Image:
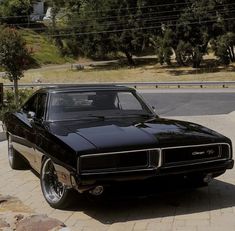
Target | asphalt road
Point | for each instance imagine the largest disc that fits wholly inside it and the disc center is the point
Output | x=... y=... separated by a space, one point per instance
x=191 y=103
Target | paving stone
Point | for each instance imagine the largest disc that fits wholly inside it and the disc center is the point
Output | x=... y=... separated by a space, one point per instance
x=38 y=222
x=60 y=215
x=159 y=225
x=121 y=226
x=3 y=223
x=140 y=225
x=185 y=228
x=198 y=222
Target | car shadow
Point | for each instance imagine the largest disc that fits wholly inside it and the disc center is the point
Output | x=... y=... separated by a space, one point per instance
x=163 y=200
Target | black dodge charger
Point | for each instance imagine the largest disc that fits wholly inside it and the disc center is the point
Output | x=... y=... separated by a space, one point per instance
x=86 y=138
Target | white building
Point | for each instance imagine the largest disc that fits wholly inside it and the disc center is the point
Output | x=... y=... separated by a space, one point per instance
x=38 y=11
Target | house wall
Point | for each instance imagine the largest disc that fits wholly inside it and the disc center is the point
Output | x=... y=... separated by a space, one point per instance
x=38 y=11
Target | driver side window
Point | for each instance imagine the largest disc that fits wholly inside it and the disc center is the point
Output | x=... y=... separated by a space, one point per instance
x=31 y=105
x=36 y=104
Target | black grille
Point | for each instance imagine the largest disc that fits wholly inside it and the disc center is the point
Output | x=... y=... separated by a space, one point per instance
x=193 y=154
x=225 y=151
x=112 y=162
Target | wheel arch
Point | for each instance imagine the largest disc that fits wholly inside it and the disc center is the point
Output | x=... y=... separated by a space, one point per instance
x=64 y=173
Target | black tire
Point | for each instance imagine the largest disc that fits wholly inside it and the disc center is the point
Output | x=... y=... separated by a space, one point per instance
x=57 y=195
x=16 y=161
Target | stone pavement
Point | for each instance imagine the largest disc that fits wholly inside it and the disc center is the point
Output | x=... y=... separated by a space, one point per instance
x=206 y=209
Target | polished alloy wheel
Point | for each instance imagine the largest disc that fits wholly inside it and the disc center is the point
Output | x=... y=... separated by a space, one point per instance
x=53 y=190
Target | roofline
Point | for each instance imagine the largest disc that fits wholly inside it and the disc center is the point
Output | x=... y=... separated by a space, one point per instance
x=84 y=87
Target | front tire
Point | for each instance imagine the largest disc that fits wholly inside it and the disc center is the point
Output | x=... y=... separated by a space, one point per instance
x=16 y=161
x=56 y=193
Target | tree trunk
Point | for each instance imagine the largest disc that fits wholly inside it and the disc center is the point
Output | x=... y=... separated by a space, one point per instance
x=16 y=91
x=230 y=54
x=129 y=58
x=53 y=19
x=197 y=59
x=233 y=55
x=179 y=59
x=196 y=63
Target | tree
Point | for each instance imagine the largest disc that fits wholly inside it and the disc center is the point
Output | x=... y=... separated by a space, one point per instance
x=223 y=42
x=14 y=56
x=192 y=24
x=223 y=47
x=194 y=29
x=66 y=7
x=16 y=11
x=184 y=28
x=163 y=46
x=111 y=26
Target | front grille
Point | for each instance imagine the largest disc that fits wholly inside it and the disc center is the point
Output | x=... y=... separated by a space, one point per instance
x=133 y=160
x=172 y=156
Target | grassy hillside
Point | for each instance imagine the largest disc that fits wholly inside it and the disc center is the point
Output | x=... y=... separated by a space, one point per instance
x=44 y=51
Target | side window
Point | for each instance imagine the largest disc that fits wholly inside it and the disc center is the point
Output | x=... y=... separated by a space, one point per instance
x=31 y=104
x=41 y=105
x=36 y=104
x=127 y=101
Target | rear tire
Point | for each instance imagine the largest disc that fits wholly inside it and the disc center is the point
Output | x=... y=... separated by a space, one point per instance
x=57 y=195
x=16 y=161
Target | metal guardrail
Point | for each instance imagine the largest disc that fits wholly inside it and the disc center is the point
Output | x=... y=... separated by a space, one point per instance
x=223 y=84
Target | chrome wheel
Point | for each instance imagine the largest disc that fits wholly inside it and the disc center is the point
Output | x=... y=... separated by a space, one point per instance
x=53 y=190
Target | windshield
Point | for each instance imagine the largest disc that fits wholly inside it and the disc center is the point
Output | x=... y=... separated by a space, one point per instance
x=81 y=105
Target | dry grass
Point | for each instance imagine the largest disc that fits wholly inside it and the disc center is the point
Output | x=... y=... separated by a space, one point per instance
x=116 y=73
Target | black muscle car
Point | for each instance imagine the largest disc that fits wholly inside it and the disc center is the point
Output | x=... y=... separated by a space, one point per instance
x=85 y=138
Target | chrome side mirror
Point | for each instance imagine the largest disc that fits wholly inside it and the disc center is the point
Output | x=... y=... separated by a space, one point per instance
x=31 y=115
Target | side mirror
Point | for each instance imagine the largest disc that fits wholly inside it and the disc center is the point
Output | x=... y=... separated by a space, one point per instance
x=154 y=109
x=31 y=115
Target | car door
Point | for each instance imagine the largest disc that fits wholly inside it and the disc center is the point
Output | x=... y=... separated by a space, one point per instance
x=39 y=131
x=24 y=137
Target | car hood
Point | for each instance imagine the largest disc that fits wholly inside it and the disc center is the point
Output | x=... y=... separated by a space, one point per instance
x=104 y=136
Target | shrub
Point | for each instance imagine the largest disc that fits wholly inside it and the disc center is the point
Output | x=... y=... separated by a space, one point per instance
x=9 y=103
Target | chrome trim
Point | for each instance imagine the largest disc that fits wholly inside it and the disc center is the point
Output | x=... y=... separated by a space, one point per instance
x=147 y=166
x=202 y=162
x=148 y=159
x=160 y=158
x=160 y=161
x=78 y=165
x=197 y=145
x=220 y=151
x=110 y=153
x=114 y=172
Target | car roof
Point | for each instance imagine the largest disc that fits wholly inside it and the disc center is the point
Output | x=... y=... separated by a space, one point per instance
x=84 y=87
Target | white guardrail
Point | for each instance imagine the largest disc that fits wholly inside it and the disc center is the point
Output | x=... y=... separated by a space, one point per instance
x=180 y=84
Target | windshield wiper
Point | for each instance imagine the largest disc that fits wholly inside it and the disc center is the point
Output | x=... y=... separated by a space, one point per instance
x=145 y=116
x=97 y=117
x=87 y=117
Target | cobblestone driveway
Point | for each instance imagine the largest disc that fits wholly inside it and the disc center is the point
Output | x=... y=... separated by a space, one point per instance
x=211 y=208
